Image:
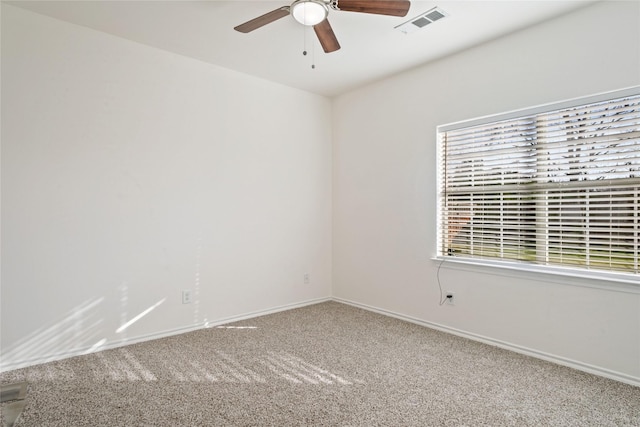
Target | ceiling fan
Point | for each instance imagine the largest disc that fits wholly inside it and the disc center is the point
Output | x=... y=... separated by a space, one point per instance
x=314 y=13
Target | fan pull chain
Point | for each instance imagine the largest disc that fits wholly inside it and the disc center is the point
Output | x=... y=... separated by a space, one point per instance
x=304 y=40
x=313 y=56
x=304 y=48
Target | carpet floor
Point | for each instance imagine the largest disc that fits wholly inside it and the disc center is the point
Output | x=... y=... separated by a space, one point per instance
x=328 y=364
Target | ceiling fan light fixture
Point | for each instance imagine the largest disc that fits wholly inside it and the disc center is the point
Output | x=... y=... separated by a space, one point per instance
x=309 y=12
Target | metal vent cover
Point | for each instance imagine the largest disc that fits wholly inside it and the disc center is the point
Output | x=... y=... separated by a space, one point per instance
x=435 y=15
x=422 y=20
x=14 y=391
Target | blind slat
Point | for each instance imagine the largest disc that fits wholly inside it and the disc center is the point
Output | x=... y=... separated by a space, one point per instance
x=554 y=187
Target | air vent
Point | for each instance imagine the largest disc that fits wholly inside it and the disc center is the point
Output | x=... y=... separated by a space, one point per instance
x=422 y=20
x=435 y=15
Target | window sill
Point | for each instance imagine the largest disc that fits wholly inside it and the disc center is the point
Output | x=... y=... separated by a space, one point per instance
x=619 y=282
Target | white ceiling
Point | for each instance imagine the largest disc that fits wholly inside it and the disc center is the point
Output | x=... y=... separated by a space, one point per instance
x=371 y=47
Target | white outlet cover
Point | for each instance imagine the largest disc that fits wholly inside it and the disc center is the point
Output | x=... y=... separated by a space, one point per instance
x=186 y=297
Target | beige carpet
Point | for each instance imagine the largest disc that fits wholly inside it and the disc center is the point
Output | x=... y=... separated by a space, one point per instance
x=328 y=364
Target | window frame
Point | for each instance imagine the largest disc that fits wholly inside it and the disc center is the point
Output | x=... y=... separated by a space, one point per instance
x=624 y=278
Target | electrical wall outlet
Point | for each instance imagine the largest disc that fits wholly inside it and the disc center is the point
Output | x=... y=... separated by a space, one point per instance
x=449 y=298
x=306 y=278
x=186 y=297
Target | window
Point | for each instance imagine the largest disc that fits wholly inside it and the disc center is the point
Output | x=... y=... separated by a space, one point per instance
x=557 y=185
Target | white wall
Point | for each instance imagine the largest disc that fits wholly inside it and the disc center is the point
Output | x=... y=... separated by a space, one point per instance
x=384 y=186
x=130 y=173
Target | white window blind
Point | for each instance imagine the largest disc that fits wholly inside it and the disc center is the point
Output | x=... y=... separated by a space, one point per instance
x=550 y=186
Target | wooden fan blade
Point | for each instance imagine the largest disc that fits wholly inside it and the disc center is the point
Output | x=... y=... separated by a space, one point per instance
x=326 y=36
x=263 y=20
x=379 y=7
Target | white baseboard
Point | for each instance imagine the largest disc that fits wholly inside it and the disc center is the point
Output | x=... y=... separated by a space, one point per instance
x=154 y=336
x=585 y=367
